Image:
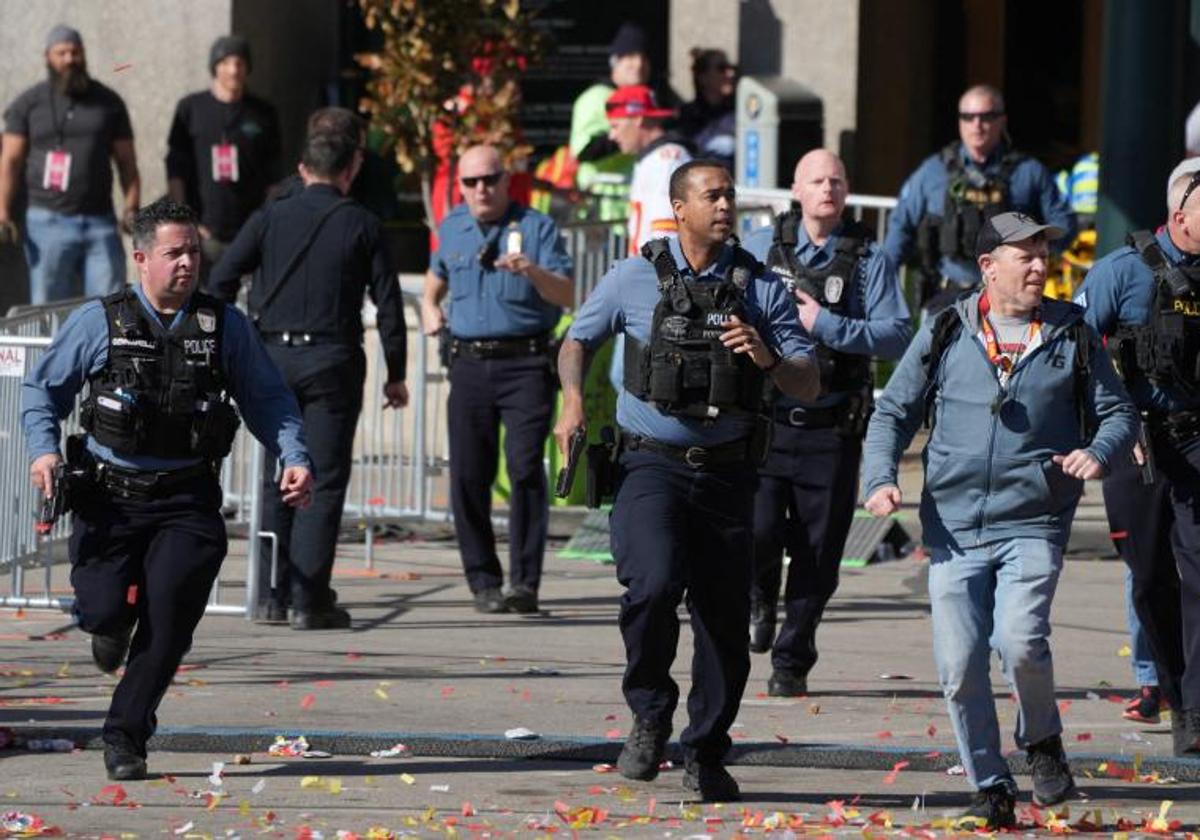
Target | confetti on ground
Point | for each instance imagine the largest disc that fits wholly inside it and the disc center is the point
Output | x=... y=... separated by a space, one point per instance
x=520 y=733
x=614 y=733
x=307 y=701
x=1124 y=650
x=288 y=747
x=391 y=752
x=890 y=778
x=407 y=779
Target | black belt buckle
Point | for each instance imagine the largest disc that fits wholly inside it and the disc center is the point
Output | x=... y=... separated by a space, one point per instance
x=695 y=457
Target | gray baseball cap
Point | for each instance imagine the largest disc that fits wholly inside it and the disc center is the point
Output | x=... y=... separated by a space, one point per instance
x=63 y=34
x=1006 y=228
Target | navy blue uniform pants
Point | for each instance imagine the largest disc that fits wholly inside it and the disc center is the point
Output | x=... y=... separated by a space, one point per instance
x=328 y=383
x=677 y=530
x=1157 y=531
x=807 y=492
x=483 y=394
x=170 y=549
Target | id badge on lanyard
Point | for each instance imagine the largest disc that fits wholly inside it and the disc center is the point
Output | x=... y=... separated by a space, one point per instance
x=225 y=163
x=56 y=174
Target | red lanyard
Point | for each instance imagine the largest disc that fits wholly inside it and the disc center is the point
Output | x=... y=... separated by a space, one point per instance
x=990 y=343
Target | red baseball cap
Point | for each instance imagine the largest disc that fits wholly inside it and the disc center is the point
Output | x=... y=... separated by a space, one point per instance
x=635 y=101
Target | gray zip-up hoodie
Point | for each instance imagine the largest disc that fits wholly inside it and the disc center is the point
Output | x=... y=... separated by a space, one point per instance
x=989 y=474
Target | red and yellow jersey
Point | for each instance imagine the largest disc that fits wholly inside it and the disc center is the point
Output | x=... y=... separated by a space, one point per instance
x=650 y=214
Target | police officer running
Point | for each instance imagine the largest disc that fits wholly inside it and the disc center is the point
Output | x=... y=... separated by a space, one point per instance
x=1146 y=298
x=849 y=301
x=508 y=277
x=945 y=202
x=315 y=252
x=161 y=362
x=706 y=325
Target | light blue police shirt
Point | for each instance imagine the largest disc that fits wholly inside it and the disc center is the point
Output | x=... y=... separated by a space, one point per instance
x=497 y=303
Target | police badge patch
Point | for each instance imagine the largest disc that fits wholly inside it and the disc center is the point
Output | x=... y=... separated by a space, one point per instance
x=834 y=286
x=207 y=320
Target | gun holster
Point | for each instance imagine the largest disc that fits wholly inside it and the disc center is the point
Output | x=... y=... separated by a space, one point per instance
x=601 y=482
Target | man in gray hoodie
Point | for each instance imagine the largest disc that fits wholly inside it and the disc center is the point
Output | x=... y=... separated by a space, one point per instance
x=1024 y=405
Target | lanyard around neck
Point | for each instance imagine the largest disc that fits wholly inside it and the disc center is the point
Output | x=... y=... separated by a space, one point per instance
x=991 y=343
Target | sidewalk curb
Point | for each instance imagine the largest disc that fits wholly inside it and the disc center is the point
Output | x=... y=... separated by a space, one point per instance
x=192 y=739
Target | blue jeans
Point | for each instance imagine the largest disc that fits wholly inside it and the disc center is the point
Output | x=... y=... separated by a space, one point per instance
x=70 y=256
x=995 y=596
x=1142 y=661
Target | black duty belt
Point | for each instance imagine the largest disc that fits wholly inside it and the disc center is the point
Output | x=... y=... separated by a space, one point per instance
x=696 y=457
x=500 y=348
x=148 y=484
x=1178 y=427
x=808 y=418
x=302 y=339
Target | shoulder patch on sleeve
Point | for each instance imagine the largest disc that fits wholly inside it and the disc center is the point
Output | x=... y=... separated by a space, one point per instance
x=1081 y=299
x=670 y=151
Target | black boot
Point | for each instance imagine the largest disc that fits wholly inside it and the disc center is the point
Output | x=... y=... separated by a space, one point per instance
x=1052 y=780
x=1185 y=732
x=712 y=781
x=109 y=651
x=123 y=761
x=993 y=808
x=644 y=750
x=762 y=626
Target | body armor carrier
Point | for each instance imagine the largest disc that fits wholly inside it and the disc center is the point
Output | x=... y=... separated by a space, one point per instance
x=685 y=369
x=1166 y=349
x=831 y=286
x=971 y=199
x=162 y=393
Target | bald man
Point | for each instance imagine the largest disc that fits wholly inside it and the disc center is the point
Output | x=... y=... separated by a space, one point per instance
x=945 y=202
x=508 y=278
x=848 y=298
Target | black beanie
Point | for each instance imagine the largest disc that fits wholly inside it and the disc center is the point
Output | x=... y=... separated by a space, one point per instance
x=226 y=46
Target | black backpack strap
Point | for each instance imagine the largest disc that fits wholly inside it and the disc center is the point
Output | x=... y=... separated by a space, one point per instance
x=785 y=229
x=1146 y=245
x=1082 y=379
x=951 y=159
x=946 y=326
x=299 y=253
x=670 y=282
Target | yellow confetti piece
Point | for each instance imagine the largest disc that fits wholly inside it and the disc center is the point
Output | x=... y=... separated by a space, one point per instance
x=407 y=779
x=311 y=782
x=1124 y=650
x=381 y=694
x=244 y=808
x=65 y=669
x=335 y=786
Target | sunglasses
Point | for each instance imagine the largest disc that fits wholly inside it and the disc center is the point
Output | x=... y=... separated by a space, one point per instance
x=1192 y=184
x=490 y=180
x=984 y=117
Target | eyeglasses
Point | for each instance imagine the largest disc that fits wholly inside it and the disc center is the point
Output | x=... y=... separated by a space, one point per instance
x=490 y=180
x=1192 y=184
x=984 y=117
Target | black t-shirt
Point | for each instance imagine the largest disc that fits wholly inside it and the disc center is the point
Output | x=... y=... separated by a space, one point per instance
x=84 y=127
x=201 y=122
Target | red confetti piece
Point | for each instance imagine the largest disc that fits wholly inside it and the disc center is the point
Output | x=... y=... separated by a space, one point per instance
x=120 y=67
x=380 y=500
x=1084 y=736
x=931 y=730
x=283 y=684
x=610 y=717
x=351 y=655
x=885 y=733
x=307 y=701
x=1063 y=705
x=116 y=793
x=322 y=683
x=447 y=690
x=467 y=810
x=1116 y=698
x=614 y=733
x=781 y=739
x=890 y=778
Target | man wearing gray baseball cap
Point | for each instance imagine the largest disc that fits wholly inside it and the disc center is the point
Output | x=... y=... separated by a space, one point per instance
x=1024 y=405
x=1146 y=298
x=64 y=133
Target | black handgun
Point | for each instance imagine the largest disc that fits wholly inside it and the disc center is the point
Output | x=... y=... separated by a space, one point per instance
x=445 y=347
x=1146 y=468
x=566 y=475
x=55 y=505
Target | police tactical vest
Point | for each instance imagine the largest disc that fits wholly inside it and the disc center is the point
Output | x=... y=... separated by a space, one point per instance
x=162 y=393
x=971 y=199
x=831 y=286
x=685 y=369
x=1166 y=349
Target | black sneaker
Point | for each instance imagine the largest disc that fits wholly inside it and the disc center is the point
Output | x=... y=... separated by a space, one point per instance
x=783 y=684
x=1052 y=780
x=1146 y=707
x=490 y=600
x=123 y=761
x=330 y=618
x=643 y=751
x=993 y=807
x=762 y=627
x=711 y=781
x=108 y=651
x=521 y=599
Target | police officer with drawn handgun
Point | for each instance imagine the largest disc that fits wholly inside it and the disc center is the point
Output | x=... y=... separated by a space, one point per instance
x=161 y=363
x=706 y=325
x=849 y=300
x=1145 y=297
